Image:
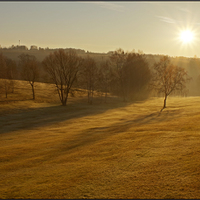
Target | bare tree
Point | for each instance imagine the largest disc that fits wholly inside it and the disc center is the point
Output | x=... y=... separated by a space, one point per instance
x=105 y=77
x=30 y=70
x=168 y=78
x=7 y=73
x=4 y=84
x=89 y=77
x=118 y=58
x=12 y=72
x=132 y=74
x=63 y=68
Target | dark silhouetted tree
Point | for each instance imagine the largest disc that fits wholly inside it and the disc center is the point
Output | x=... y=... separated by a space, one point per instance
x=4 y=84
x=89 y=77
x=63 y=68
x=168 y=78
x=132 y=75
x=137 y=75
x=8 y=72
x=30 y=70
x=104 y=76
x=12 y=73
x=118 y=58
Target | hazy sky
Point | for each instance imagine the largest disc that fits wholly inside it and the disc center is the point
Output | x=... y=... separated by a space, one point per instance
x=102 y=26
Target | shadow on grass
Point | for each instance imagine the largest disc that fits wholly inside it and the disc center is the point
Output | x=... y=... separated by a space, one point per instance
x=6 y=101
x=95 y=134
x=43 y=116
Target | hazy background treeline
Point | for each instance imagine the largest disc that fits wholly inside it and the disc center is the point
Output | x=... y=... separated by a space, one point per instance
x=136 y=79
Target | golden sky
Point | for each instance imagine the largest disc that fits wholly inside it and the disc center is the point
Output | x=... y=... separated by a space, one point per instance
x=102 y=26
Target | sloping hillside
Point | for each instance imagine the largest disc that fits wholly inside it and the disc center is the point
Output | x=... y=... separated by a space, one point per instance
x=113 y=150
x=192 y=65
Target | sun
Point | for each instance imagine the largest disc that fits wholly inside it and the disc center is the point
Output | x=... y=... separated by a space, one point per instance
x=186 y=36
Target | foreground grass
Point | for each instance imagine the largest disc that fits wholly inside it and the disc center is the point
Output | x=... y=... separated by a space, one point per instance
x=113 y=150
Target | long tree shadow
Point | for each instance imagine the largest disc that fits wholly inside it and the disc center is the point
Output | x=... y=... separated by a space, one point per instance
x=95 y=134
x=7 y=101
x=43 y=116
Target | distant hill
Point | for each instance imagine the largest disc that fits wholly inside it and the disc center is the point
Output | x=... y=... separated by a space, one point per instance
x=192 y=65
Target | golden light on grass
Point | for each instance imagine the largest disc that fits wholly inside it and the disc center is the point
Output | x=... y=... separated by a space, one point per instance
x=114 y=150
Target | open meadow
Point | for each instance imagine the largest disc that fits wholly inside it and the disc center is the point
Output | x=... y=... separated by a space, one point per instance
x=105 y=150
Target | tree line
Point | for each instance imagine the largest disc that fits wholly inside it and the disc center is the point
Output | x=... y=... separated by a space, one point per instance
x=124 y=74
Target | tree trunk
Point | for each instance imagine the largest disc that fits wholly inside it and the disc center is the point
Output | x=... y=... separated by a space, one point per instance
x=32 y=85
x=64 y=103
x=105 y=97
x=91 y=101
x=65 y=97
x=88 y=96
x=164 y=105
x=6 y=91
x=12 y=84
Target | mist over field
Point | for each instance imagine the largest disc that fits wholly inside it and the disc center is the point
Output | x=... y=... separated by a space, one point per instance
x=191 y=64
x=76 y=124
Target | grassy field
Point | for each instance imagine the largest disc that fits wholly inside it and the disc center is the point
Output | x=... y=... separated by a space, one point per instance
x=113 y=150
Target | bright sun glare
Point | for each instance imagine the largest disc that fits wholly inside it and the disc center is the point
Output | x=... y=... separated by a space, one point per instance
x=186 y=36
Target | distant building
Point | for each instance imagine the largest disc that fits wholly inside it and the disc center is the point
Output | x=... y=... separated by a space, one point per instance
x=33 y=47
